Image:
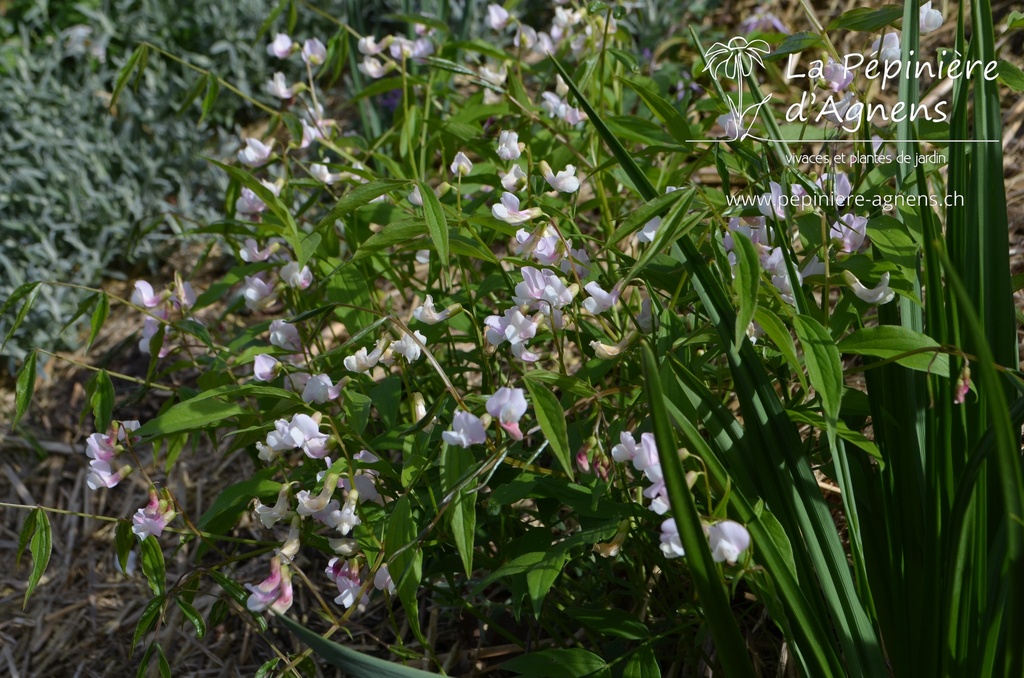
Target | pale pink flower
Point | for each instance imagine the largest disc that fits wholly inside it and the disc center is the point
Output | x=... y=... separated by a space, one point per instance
x=837 y=76
x=102 y=475
x=259 y=296
x=314 y=52
x=497 y=17
x=382 y=579
x=270 y=515
x=373 y=68
x=600 y=301
x=319 y=389
x=426 y=313
x=144 y=295
x=295 y=277
x=362 y=361
x=370 y=47
x=508 y=405
x=274 y=592
x=467 y=430
x=727 y=539
x=345 y=576
x=850 y=232
x=508 y=210
x=281 y=46
x=514 y=180
x=671 y=544
x=286 y=336
x=154 y=517
x=251 y=252
x=255 y=153
x=278 y=87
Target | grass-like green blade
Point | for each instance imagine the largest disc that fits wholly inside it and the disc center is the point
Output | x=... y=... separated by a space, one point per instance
x=732 y=651
x=355 y=664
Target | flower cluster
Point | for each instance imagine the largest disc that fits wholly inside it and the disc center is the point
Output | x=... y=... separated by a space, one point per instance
x=727 y=539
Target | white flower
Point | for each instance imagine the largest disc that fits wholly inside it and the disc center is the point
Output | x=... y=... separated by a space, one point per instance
x=372 y=67
x=671 y=545
x=887 y=48
x=513 y=180
x=513 y=327
x=508 y=145
x=415 y=197
x=508 y=405
x=144 y=295
x=314 y=52
x=850 y=231
x=543 y=245
x=565 y=181
x=322 y=174
x=309 y=503
x=426 y=313
x=461 y=165
x=362 y=361
x=526 y=37
x=467 y=429
x=727 y=539
x=249 y=203
x=345 y=519
x=255 y=152
x=319 y=389
x=878 y=295
x=409 y=347
x=370 y=47
x=269 y=515
x=281 y=47
x=543 y=290
x=293 y=276
x=600 y=301
x=837 y=76
x=649 y=230
x=278 y=87
x=259 y=296
x=930 y=19
x=732 y=123
x=265 y=367
x=251 y=252
x=286 y=336
x=497 y=17
x=508 y=210
x=382 y=580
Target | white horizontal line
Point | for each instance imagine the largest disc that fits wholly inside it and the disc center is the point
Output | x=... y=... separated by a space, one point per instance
x=855 y=141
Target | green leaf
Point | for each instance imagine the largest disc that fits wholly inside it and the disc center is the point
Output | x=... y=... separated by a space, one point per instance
x=542 y=576
x=643 y=664
x=611 y=622
x=562 y=382
x=665 y=111
x=25 y=387
x=437 y=224
x=911 y=349
x=31 y=291
x=126 y=72
x=354 y=664
x=746 y=282
x=1015 y=20
x=146 y=622
x=152 y=558
x=640 y=181
x=307 y=246
x=359 y=196
x=41 y=546
x=212 y=90
x=461 y=513
x=798 y=42
x=639 y=217
x=406 y=558
x=824 y=367
x=551 y=418
x=191 y=415
x=1010 y=75
x=867 y=19
x=102 y=400
x=556 y=663
x=99 y=316
x=193 y=616
x=230 y=503
x=124 y=542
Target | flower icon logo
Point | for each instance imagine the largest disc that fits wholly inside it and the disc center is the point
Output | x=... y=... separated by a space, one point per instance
x=735 y=60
